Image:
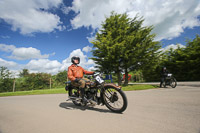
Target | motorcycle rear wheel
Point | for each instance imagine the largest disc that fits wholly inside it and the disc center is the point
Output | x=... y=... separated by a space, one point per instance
x=74 y=93
x=115 y=99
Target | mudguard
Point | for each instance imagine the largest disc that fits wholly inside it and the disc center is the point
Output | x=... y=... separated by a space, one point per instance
x=68 y=85
x=106 y=85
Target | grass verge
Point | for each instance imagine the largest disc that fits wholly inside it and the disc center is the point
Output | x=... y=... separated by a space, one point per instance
x=138 y=87
x=34 y=92
x=62 y=90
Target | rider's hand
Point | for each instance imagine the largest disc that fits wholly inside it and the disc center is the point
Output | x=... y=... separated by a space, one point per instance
x=77 y=80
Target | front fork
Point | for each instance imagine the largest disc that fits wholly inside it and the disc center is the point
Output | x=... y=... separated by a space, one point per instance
x=103 y=89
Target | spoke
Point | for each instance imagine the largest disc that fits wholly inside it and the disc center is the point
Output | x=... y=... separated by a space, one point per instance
x=109 y=101
x=114 y=104
x=106 y=95
x=117 y=104
x=110 y=91
x=107 y=92
x=120 y=102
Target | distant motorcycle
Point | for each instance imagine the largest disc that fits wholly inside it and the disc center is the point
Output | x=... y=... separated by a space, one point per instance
x=169 y=81
x=98 y=92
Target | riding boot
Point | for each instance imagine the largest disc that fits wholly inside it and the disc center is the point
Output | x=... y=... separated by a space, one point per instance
x=161 y=85
x=84 y=100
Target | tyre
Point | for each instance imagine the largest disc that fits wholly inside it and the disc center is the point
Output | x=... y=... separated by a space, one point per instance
x=115 y=99
x=173 y=83
x=74 y=93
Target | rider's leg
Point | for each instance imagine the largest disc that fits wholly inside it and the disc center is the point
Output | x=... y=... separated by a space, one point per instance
x=161 y=82
x=82 y=88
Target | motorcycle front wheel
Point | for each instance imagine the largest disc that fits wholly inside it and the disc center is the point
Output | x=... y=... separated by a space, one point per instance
x=173 y=83
x=115 y=99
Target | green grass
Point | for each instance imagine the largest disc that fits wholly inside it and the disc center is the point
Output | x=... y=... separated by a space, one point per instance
x=34 y=92
x=62 y=90
x=138 y=87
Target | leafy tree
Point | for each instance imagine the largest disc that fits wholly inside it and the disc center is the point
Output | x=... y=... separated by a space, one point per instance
x=6 y=83
x=60 y=78
x=4 y=72
x=108 y=44
x=38 y=80
x=192 y=58
x=184 y=63
x=25 y=72
x=124 y=45
x=33 y=81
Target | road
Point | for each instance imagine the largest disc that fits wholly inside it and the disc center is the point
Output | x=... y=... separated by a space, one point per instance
x=163 y=110
x=193 y=84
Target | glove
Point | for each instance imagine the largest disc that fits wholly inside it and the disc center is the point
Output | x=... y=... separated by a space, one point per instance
x=77 y=80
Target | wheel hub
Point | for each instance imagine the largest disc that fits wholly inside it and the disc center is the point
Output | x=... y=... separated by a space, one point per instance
x=114 y=97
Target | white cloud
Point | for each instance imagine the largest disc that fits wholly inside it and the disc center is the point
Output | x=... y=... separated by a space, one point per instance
x=8 y=64
x=92 y=68
x=87 y=49
x=91 y=38
x=171 y=46
x=92 y=13
x=53 y=67
x=30 y=16
x=170 y=18
x=23 y=53
x=84 y=62
x=27 y=53
x=44 y=65
x=7 y=48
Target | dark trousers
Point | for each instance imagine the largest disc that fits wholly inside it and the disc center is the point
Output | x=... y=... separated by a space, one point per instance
x=81 y=85
x=162 y=81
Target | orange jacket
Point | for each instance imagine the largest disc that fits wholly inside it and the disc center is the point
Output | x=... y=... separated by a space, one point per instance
x=77 y=72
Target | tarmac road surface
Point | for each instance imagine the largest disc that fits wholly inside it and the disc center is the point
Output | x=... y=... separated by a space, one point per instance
x=164 y=110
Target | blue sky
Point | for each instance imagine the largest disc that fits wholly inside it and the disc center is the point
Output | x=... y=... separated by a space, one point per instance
x=43 y=35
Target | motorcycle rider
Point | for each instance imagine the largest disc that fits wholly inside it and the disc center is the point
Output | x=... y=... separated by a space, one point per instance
x=75 y=74
x=163 y=75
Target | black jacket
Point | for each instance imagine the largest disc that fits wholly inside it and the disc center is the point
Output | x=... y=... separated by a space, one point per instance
x=163 y=73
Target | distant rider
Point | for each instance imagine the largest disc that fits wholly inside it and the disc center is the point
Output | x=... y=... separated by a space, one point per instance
x=75 y=74
x=163 y=75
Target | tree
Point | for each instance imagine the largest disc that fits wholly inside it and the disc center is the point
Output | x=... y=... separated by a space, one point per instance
x=192 y=56
x=4 y=72
x=5 y=80
x=184 y=63
x=60 y=78
x=25 y=72
x=108 y=44
x=123 y=45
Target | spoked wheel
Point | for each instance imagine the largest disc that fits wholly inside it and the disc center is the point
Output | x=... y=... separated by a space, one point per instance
x=173 y=83
x=74 y=93
x=115 y=99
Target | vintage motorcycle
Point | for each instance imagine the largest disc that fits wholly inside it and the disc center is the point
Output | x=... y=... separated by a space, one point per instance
x=98 y=92
x=169 y=81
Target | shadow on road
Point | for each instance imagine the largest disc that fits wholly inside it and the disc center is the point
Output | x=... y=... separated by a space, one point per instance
x=71 y=106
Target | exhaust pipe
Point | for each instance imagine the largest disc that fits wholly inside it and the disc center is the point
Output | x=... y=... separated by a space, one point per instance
x=93 y=103
x=74 y=98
